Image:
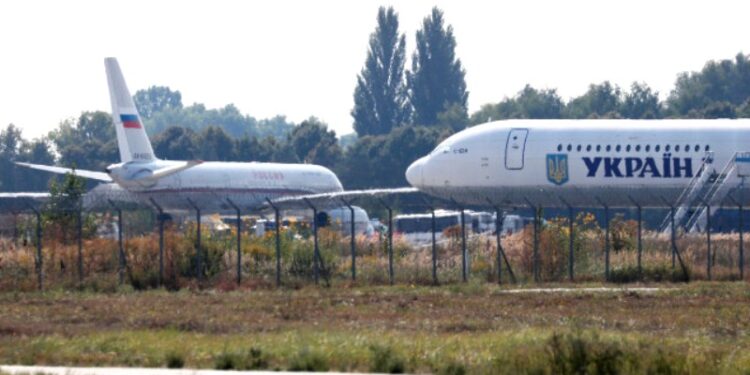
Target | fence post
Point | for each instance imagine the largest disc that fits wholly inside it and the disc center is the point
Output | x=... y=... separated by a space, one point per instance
x=740 y=230
x=39 y=260
x=571 y=238
x=120 y=248
x=640 y=233
x=464 y=260
x=434 y=248
x=198 y=252
x=239 y=240
x=161 y=241
x=390 y=240
x=606 y=239
x=278 y=242
x=499 y=219
x=537 y=213
x=80 y=245
x=498 y=238
x=316 y=250
x=675 y=252
x=741 y=226
x=708 y=240
x=353 y=242
x=673 y=234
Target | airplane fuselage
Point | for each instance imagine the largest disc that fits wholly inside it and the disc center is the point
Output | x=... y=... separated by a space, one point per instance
x=210 y=184
x=577 y=162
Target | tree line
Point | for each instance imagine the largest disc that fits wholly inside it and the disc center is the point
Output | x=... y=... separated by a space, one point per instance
x=399 y=114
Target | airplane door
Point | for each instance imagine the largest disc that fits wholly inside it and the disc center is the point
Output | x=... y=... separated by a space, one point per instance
x=514 y=148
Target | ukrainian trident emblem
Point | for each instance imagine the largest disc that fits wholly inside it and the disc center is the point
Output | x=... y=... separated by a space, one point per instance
x=557 y=168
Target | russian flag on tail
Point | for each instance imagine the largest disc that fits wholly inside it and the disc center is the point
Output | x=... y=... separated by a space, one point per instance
x=130 y=122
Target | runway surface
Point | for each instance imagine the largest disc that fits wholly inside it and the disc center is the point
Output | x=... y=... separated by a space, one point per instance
x=50 y=370
x=581 y=290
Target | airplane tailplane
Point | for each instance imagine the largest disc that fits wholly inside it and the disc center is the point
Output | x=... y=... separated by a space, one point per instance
x=132 y=140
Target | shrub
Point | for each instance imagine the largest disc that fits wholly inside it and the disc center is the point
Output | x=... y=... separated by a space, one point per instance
x=175 y=360
x=228 y=361
x=384 y=360
x=252 y=359
x=658 y=273
x=574 y=354
x=452 y=368
x=305 y=360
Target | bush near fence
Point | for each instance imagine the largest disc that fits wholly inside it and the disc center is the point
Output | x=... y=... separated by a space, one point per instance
x=412 y=264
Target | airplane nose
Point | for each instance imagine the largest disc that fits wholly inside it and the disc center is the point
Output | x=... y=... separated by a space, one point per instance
x=414 y=173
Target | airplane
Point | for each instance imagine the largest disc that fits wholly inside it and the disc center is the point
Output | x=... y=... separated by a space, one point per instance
x=590 y=163
x=140 y=176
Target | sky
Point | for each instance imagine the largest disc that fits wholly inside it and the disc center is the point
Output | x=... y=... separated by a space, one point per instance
x=301 y=58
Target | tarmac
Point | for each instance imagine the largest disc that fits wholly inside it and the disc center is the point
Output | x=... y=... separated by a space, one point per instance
x=52 y=370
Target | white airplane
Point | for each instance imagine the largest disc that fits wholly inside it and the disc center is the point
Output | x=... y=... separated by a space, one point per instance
x=140 y=175
x=589 y=163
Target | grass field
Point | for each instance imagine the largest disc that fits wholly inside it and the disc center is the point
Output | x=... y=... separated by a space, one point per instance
x=474 y=328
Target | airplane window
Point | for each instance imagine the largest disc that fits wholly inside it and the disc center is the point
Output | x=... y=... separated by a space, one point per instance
x=666 y=148
x=570 y=148
x=657 y=148
x=588 y=147
x=708 y=148
x=648 y=148
x=598 y=148
x=578 y=148
x=627 y=148
x=697 y=148
x=637 y=148
x=559 y=147
x=687 y=148
x=676 y=148
x=609 y=148
x=617 y=148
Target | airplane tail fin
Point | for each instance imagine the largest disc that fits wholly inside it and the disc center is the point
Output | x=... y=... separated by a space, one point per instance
x=131 y=136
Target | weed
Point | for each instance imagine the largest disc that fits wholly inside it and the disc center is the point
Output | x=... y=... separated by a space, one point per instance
x=385 y=360
x=452 y=368
x=306 y=360
x=227 y=361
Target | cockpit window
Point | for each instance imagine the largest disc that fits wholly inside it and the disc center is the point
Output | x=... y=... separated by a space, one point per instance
x=442 y=150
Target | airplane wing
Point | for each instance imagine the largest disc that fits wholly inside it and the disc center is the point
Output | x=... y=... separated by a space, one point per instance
x=19 y=201
x=24 y=195
x=335 y=199
x=164 y=172
x=99 y=176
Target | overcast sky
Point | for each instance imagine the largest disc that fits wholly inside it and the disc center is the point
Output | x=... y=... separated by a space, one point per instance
x=301 y=58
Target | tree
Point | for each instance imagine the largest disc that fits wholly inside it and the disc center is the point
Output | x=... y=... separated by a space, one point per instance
x=717 y=110
x=176 y=143
x=215 y=145
x=718 y=81
x=381 y=161
x=37 y=151
x=602 y=100
x=436 y=80
x=87 y=143
x=529 y=103
x=251 y=149
x=641 y=102
x=10 y=144
x=380 y=95
x=156 y=99
x=312 y=142
x=64 y=203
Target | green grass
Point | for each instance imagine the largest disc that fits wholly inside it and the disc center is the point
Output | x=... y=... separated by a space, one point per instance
x=461 y=329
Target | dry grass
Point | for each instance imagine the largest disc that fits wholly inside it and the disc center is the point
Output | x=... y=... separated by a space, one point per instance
x=412 y=265
x=701 y=326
